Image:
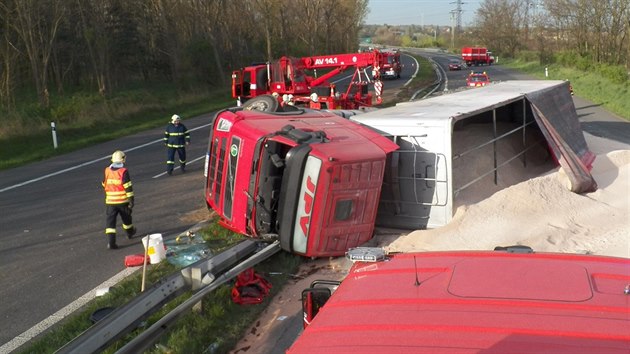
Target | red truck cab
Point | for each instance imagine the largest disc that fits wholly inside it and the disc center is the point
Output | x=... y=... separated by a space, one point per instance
x=312 y=179
x=390 y=66
x=510 y=300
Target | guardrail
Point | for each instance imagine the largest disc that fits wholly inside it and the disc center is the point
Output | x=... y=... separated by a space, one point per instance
x=203 y=276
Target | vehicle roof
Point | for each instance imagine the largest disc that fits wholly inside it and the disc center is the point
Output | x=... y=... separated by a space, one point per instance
x=457 y=105
x=490 y=302
x=339 y=130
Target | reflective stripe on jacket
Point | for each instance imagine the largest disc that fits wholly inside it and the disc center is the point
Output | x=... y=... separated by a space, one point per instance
x=117 y=184
x=176 y=136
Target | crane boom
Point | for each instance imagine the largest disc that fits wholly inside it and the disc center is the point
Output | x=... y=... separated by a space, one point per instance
x=290 y=77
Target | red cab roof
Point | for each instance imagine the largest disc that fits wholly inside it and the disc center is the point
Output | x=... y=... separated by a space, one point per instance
x=476 y=302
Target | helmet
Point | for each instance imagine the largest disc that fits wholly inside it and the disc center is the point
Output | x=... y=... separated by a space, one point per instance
x=118 y=157
x=175 y=118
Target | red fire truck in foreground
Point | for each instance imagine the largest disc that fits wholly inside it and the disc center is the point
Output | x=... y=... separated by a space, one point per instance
x=510 y=300
x=311 y=179
x=297 y=77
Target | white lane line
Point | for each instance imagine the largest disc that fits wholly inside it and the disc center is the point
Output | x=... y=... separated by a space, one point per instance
x=176 y=168
x=86 y=163
x=53 y=319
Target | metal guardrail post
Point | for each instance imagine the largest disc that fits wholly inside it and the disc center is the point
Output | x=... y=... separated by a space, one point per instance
x=127 y=317
x=147 y=338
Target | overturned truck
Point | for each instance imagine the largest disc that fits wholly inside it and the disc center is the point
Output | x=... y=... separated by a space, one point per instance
x=452 y=144
x=319 y=182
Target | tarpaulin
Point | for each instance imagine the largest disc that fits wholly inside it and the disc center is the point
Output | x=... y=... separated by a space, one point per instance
x=557 y=119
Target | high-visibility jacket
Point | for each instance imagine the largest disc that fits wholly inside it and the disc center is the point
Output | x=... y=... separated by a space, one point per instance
x=118 y=187
x=176 y=136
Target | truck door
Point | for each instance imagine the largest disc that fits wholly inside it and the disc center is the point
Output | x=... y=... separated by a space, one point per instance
x=415 y=193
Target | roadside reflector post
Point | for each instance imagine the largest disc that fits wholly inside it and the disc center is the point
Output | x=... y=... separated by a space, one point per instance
x=546 y=72
x=54 y=134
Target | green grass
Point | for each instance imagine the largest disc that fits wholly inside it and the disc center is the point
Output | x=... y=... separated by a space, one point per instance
x=83 y=121
x=590 y=85
x=424 y=77
x=220 y=323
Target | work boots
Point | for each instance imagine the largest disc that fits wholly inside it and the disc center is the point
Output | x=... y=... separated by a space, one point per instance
x=112 y=242
x=131 y=232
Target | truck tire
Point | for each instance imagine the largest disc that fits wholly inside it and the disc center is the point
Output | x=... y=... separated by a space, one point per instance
x=265 y=103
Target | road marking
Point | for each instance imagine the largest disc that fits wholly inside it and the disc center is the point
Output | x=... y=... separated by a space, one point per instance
x=87 y=163
x=176 y=168
x=53 y=319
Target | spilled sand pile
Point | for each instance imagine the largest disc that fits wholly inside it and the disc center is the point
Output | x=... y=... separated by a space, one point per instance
x=541 y=213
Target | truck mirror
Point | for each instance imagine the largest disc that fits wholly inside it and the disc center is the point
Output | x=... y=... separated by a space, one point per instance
x=312 y=301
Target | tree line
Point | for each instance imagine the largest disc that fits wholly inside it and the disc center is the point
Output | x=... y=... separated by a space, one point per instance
x=587 y=31
x=52 y=46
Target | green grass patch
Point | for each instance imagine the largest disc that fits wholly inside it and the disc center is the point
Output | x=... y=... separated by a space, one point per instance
x=220 y=324
x=589 y=84
x=83 y=120
x=425 y=77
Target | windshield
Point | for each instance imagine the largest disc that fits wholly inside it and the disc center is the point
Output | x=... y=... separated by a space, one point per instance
x=478 y=78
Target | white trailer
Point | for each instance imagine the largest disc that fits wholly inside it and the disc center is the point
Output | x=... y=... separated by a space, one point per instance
x=440 y=157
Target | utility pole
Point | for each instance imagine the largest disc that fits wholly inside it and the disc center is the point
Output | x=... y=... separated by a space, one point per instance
x=457 y=13
x=456 y=18
x=452 y=29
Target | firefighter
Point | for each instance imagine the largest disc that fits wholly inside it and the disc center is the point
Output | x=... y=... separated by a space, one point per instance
x=118 y=198
x=176 y=137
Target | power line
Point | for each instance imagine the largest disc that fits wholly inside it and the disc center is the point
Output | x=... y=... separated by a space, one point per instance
x=457 y=13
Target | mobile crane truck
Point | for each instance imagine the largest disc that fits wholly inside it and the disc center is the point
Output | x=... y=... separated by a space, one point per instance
x=290 y=76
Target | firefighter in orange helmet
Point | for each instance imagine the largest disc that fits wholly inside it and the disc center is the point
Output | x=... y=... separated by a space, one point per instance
x=119 y=198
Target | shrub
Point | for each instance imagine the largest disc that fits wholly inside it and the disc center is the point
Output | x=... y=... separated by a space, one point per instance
x=615 y=73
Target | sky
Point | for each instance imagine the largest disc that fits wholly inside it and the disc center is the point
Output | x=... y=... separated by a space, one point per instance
x=419 y=12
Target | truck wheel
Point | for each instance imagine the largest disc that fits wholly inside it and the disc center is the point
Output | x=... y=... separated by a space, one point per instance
x=265 y=103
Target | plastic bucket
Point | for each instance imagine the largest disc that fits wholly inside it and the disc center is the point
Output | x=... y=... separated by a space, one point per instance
x=156 y=250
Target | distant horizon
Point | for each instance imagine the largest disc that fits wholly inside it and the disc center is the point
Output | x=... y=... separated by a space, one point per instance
x=419 y=12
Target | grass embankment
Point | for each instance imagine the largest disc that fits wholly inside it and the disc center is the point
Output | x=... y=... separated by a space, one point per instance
x=588 y=84
x=86 y=119
x=423 y=79
x=219 y=325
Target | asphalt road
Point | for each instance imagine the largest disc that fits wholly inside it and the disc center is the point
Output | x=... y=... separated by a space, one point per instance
x=53 y=247
x=594 y=119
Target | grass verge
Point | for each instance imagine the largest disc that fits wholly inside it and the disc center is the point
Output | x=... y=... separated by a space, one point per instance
x=219 y=325
x=590 y=85
x=100 y=120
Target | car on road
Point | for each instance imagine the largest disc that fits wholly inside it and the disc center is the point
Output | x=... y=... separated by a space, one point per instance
x=454 y=65
x=476 y=79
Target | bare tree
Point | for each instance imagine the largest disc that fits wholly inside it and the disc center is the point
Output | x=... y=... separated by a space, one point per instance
x=36 y=23
x=92 y=19
x=500 y=24
x=8 y=58
x=594 y=29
